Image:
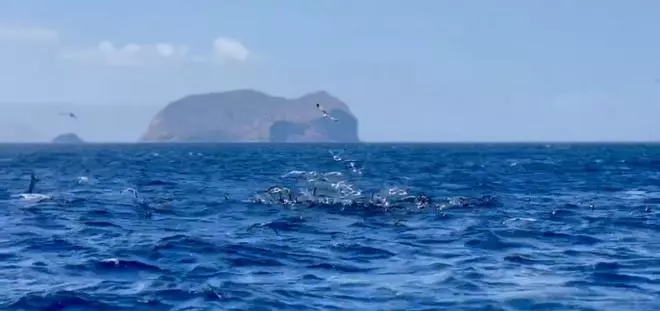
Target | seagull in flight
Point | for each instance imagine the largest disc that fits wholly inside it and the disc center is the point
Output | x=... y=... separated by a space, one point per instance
x=69 y=114
x=325 y=113
x=131 y=191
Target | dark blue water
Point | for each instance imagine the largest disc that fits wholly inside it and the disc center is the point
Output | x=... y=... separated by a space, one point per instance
x=361 y=227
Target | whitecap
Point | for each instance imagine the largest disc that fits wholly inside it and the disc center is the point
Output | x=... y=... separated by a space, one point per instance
x=294 y=173
x=34 y=197
x=111 y=260
x=516 y=219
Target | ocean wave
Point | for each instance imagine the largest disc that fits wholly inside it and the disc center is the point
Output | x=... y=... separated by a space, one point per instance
x=364 y=227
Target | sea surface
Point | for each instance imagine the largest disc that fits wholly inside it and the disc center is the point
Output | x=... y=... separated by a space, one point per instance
x=330 y=227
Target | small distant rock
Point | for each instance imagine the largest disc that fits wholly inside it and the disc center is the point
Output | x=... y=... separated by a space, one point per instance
x=68 y=138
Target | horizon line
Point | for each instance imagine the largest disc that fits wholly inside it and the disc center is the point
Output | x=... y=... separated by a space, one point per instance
x=466 y=142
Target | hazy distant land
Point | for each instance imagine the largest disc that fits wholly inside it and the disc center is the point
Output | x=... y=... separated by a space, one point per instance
x=68 y=138
x=232 y=116
x=40 y=122
x=253 y=116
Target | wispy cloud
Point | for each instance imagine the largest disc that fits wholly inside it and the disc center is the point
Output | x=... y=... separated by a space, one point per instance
x=28 y=34
x=222 y=50
x=131 y=54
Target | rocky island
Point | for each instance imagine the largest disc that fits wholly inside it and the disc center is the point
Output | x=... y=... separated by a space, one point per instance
x=68 y=138
x=252 y=116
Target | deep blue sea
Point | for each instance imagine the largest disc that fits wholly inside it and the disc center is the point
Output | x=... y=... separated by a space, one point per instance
x=330 y=227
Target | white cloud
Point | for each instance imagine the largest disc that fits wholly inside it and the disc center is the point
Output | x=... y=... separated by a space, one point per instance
x=223 y=50
x=229 y=49
x=28 y=34
x=131 y=54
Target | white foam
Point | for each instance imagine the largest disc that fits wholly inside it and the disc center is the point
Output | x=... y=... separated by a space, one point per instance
x=34 y=197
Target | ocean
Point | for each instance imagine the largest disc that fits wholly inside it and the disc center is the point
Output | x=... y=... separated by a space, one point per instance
x=330 y=227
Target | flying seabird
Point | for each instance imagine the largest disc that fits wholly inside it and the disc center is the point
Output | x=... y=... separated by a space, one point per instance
x=325 y=113
x=132 y=191
x=69 y=114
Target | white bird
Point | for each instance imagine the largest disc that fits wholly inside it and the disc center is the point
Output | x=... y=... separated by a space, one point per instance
x=132 y=191
x=325 y=113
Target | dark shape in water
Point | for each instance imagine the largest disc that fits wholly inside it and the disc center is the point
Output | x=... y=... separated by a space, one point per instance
x=33 y=183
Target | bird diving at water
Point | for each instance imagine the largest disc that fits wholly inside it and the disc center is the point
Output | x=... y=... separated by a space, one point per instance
x=325 y=113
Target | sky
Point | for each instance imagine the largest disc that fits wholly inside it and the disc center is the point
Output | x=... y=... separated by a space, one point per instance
x=423 y=70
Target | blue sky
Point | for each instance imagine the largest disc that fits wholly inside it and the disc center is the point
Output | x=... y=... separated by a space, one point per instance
x=423 y=70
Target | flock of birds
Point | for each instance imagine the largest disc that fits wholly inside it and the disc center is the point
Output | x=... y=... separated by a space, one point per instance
x=324 y=114
x=30 y=194
x=321 y=190
x=335 y=190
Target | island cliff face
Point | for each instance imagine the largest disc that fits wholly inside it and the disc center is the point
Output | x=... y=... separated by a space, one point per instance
x=252 y=116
